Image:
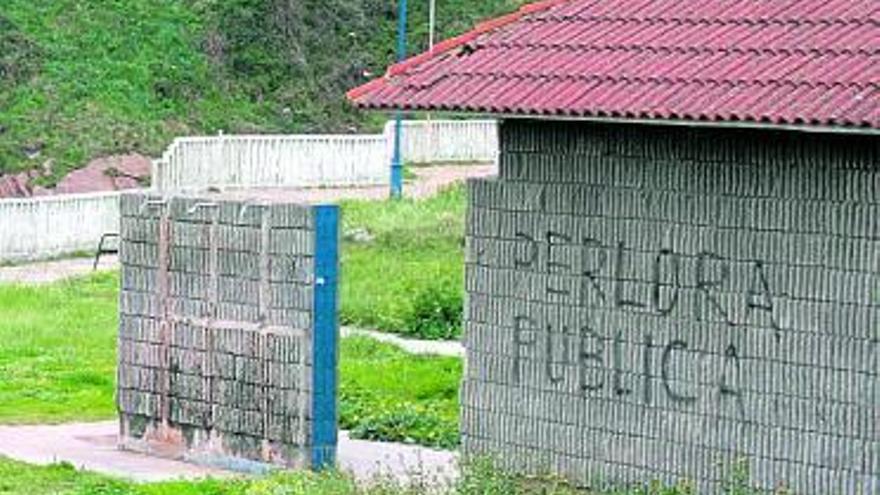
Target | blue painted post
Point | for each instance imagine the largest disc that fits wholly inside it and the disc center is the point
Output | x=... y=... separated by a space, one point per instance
x=325 y=348
x=397 y=159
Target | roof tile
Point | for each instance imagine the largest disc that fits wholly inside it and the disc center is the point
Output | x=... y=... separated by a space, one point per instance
x=779 y=61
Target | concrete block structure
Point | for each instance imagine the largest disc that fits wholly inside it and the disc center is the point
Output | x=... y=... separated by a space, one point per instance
x=227 y=331
x=676 y=274
x=648 y=303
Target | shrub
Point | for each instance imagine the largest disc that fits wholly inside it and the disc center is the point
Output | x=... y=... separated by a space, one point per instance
x=406 y=276
x=386 y=394
x=437 y=312
x=407 y=424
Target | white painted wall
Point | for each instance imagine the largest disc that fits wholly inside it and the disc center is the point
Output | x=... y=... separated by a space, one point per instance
x=319 y=160
x=271 y=161
x=446 y=141
x=39 y=228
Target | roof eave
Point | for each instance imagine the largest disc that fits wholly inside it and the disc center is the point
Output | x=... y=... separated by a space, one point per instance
x=809 y=128
x=739 y=124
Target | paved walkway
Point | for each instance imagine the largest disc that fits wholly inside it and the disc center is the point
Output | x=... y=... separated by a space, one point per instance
x=92 y=446
x=412 y=346
x=428 y=181
x=46 y=272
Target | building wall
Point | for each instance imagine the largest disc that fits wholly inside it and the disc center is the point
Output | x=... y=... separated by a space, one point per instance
x=670 y=303
x=220 y=357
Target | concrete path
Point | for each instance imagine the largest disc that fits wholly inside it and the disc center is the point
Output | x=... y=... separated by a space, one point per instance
x=46 y=272
x=428 y=181
x=92 y=446
x=412 y=346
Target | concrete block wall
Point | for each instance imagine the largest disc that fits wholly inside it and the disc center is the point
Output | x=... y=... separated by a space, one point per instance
x=217 y=350
x=669 y=303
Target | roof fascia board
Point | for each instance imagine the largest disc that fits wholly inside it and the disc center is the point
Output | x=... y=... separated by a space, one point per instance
x=813 y=129
x=809 y=129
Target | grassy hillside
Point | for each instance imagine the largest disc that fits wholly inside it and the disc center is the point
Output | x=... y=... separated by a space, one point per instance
x=79 y=79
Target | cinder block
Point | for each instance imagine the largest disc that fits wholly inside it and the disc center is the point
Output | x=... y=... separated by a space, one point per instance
x=216 y=339
x=722 y=289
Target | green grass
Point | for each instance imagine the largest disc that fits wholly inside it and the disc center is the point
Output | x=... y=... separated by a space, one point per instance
x=58 y=360
x=94 y=85
x=408 y=277
x=387 y=394
x=17 y=478
x=58 y=351
x=478 y=478
x=80 y=79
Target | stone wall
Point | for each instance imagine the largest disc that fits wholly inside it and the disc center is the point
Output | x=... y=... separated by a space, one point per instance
x=667 y=303
x=219 y=352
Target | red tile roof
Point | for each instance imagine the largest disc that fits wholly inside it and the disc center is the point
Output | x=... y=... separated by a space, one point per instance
x=814 y=62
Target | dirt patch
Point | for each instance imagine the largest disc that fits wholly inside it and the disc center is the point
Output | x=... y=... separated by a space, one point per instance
x=18 y=185
x=111 y=173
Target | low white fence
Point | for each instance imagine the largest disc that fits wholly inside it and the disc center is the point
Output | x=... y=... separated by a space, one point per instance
x=271 y=161
x=319 y=160
x=39 y=228
x=446 y=141
x=49 y=226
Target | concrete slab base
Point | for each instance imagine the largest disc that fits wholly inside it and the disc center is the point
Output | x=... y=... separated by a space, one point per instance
x=47 y=272
x=413 y=346
x=93 y=447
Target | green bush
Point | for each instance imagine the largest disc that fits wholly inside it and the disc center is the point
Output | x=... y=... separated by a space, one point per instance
x=406 y=423
x=406 y=274
x=436 y=313
x=386 y=394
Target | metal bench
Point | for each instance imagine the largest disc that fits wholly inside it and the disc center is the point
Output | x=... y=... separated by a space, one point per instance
x=103 y=249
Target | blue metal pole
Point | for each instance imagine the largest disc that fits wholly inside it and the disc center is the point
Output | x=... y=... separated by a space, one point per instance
x=325 y=345
x=397 y=159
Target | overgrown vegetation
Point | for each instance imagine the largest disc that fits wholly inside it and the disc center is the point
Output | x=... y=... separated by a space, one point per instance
x=81 y=79
x=387 y=394
x=403 y=265
x=478 y=478
x=58 y=362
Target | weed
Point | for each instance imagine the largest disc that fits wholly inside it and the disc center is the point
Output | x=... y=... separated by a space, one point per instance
x=408 y=278
x=437 y=312
x=739 y=480
x=387 y=394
